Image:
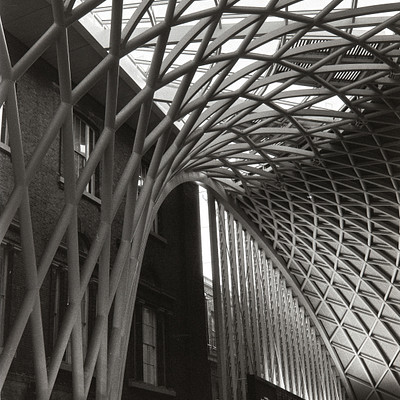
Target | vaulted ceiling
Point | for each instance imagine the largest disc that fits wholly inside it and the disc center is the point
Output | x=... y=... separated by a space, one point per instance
x=293 y=108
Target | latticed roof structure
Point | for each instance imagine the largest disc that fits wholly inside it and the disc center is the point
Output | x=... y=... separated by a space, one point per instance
x=287 y=110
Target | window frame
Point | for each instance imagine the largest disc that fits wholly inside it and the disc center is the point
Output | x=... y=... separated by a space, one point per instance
x=157 y=381
x=59 y=303
x=149 y=345
x=4 y=134
x=91 y=134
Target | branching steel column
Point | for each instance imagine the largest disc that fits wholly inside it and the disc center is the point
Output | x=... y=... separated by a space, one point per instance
x=230 y=340
x=251 y=285
x=217 y=295
x=244 y=300
x=236 y=308
x=32 y=301
x=106 y=209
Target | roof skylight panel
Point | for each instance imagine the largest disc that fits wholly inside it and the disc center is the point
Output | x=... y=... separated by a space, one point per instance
x=252 y=3
x=308 y=7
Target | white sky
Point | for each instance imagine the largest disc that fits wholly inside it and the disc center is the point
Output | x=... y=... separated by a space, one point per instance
x=205 y=233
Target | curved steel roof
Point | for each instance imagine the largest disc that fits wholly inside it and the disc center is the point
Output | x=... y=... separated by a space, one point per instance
x=295 y=112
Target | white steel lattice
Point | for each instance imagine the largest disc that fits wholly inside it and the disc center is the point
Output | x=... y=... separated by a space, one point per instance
x=285 y=348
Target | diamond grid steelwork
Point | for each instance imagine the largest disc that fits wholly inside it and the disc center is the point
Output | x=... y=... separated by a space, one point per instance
x=289 y=112
x=260 y=310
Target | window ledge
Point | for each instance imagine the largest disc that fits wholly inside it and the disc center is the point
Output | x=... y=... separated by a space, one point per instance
x=66 y=366
x=87 y=195
x=152 y=388
x=158 y=237
x=5 y=148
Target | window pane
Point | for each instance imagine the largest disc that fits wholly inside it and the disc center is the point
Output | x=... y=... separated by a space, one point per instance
x=77 y=133
x=82 y=138
x=3 y=126
x=84 y=142
x=149 y=346
x=60 y=303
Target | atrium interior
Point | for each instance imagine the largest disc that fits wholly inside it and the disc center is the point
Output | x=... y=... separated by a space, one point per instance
x=113 y=112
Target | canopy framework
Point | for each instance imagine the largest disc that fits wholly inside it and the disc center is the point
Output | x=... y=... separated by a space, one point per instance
x=262 y=321
x=292 y=111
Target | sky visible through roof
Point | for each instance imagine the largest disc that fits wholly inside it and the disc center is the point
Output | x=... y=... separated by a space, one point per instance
x=141 y=57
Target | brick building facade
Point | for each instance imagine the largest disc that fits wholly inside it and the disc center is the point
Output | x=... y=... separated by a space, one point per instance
x=168 y=349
